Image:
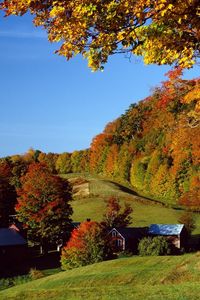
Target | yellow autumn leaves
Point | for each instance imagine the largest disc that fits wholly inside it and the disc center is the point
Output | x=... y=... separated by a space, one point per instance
x=162 y=31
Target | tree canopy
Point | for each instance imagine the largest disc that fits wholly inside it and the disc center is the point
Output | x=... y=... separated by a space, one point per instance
x=188 y=219
x=115 y=216
x=162 y=31
x=7 y=194
x=43 y=204
x=86 y=246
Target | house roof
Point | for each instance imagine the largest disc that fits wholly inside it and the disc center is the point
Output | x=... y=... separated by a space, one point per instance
x=15 y=224
x=76 y=224
x=129 y=232
x=165 y=229
x=10 y=237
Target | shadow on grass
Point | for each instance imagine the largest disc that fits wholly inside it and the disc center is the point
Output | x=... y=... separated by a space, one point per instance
x=142 y=198
x=194 y=243
x=13 y=268
x=121 y=187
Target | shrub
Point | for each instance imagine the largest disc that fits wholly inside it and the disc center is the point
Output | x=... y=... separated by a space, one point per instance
x=35 y=274
x=5 y=283
x=20 y=279
x=149 y=246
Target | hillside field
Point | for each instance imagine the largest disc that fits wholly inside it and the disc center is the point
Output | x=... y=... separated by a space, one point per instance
x=138 y=278
x=145 y=211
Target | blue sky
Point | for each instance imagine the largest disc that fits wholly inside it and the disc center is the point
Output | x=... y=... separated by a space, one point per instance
x=55 y=105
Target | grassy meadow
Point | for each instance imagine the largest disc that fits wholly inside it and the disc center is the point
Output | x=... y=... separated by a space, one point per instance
x=145 y=211
x=138 y=278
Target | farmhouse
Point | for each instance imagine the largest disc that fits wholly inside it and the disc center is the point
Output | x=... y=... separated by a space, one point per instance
x=13 y=246
x=176 y=234
x=123 y=238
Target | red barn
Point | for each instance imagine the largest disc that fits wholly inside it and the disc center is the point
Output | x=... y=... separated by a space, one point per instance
x=125 y=238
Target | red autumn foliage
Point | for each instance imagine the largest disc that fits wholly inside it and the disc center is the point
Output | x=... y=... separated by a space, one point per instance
x=77 y=237
x=191 y=199
x=170 y=87
x=165 y=150
x=86 y=246
x=5 y=170
x=43 y=202
x=115 y=216
x=175 y=73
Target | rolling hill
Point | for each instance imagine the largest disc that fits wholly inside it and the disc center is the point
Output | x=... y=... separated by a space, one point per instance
x=145 y=211
x=138 y=278
x=153 y=146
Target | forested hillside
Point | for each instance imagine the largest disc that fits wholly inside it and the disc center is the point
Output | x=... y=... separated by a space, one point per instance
x=155 y=144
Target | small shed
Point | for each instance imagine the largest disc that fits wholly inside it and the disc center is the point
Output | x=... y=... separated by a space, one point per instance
x=125 y=238
x=176 y=234
x=12 y=245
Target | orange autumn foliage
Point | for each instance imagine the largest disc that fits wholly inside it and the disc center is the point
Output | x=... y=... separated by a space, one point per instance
x=86 y=246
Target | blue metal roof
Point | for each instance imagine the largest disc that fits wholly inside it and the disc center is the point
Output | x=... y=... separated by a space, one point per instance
x=165 y=229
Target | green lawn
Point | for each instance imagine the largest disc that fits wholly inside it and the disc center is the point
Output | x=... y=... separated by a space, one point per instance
x=145 y=211
x=138 y=278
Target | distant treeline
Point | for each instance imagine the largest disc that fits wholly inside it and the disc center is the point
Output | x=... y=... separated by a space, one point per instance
x=154 y=146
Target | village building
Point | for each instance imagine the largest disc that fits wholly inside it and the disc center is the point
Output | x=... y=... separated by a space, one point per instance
x=126 y=238
x=175 y=234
